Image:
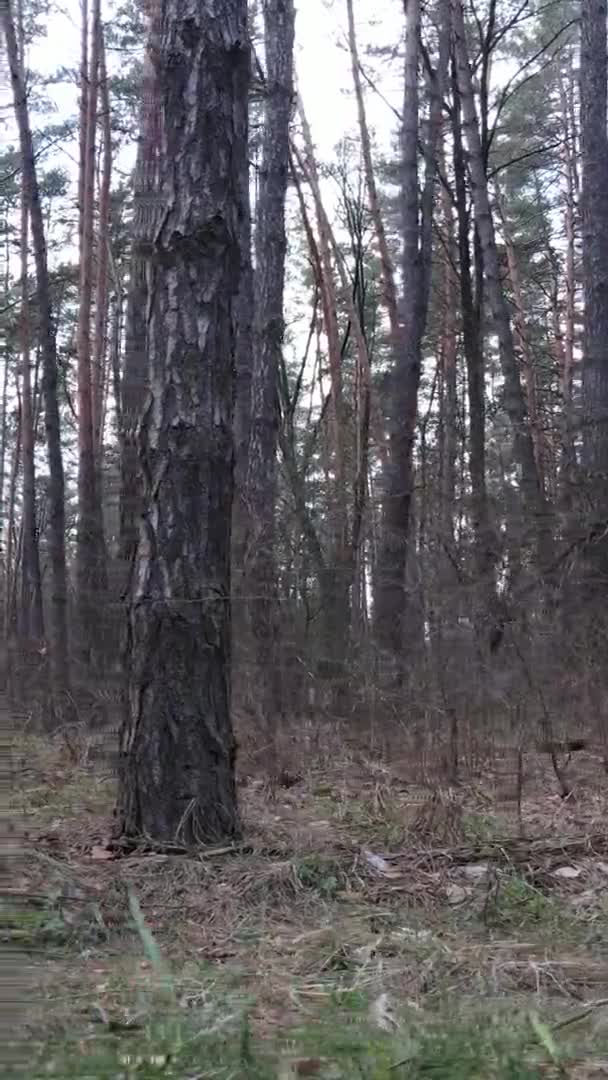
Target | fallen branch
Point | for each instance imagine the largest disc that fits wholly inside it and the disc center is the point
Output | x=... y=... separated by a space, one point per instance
x=511 y=849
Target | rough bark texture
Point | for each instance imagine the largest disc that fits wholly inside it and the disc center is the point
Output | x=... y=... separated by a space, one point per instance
x=146 y=211
x=177 y=746
x=594 y=203
x=56 y=519
x=271 y=245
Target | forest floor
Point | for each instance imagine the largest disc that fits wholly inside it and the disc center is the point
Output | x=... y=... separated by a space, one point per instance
x=365 y=928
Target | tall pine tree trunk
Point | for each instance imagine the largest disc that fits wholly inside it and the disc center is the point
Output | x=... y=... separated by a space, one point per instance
x=91 y=573
x=177 y=746
x=594 y=204
x=271 y=245
x=31 y=623
x=134 y=382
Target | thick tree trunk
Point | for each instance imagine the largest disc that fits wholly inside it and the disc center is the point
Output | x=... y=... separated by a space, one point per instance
x=177 y=746
x=242 y=431
x=271 y=245
x=594 y=205
x=58 y=607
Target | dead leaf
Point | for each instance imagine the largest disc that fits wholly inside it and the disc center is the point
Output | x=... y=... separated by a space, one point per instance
x=456 y=894
x=568 y=872
x=101 y=854
x=380 y=865
x=476 y=871
x=381 y=1013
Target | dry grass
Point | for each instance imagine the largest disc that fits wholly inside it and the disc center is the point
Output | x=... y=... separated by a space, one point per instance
x=354 y=885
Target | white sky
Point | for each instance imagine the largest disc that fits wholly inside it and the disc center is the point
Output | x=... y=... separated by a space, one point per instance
x=322 y=61
x=324 y=75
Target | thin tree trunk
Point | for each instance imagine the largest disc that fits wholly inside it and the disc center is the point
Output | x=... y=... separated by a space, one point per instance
x=271 y=246
x=83 y=113
x=10 y=614
x=100 y=337
x=178 y=751
x=474 y=359
x=31 y=624
x=534 y=499
x=90 y=545
x=30 y=617
x=334 y=580
x=386 y=262
x=390 y=599
x=147 y=207
x=448 y=357
x=521 y=340
x=58 y=607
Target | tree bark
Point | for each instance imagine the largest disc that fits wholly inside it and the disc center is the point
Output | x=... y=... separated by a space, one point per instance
x=102 y=292
x=594 y=205
x=83 y=112
x=58 y=606
x=146 y=216
x=177 y=746
x=271 y=246
x=91 y=575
